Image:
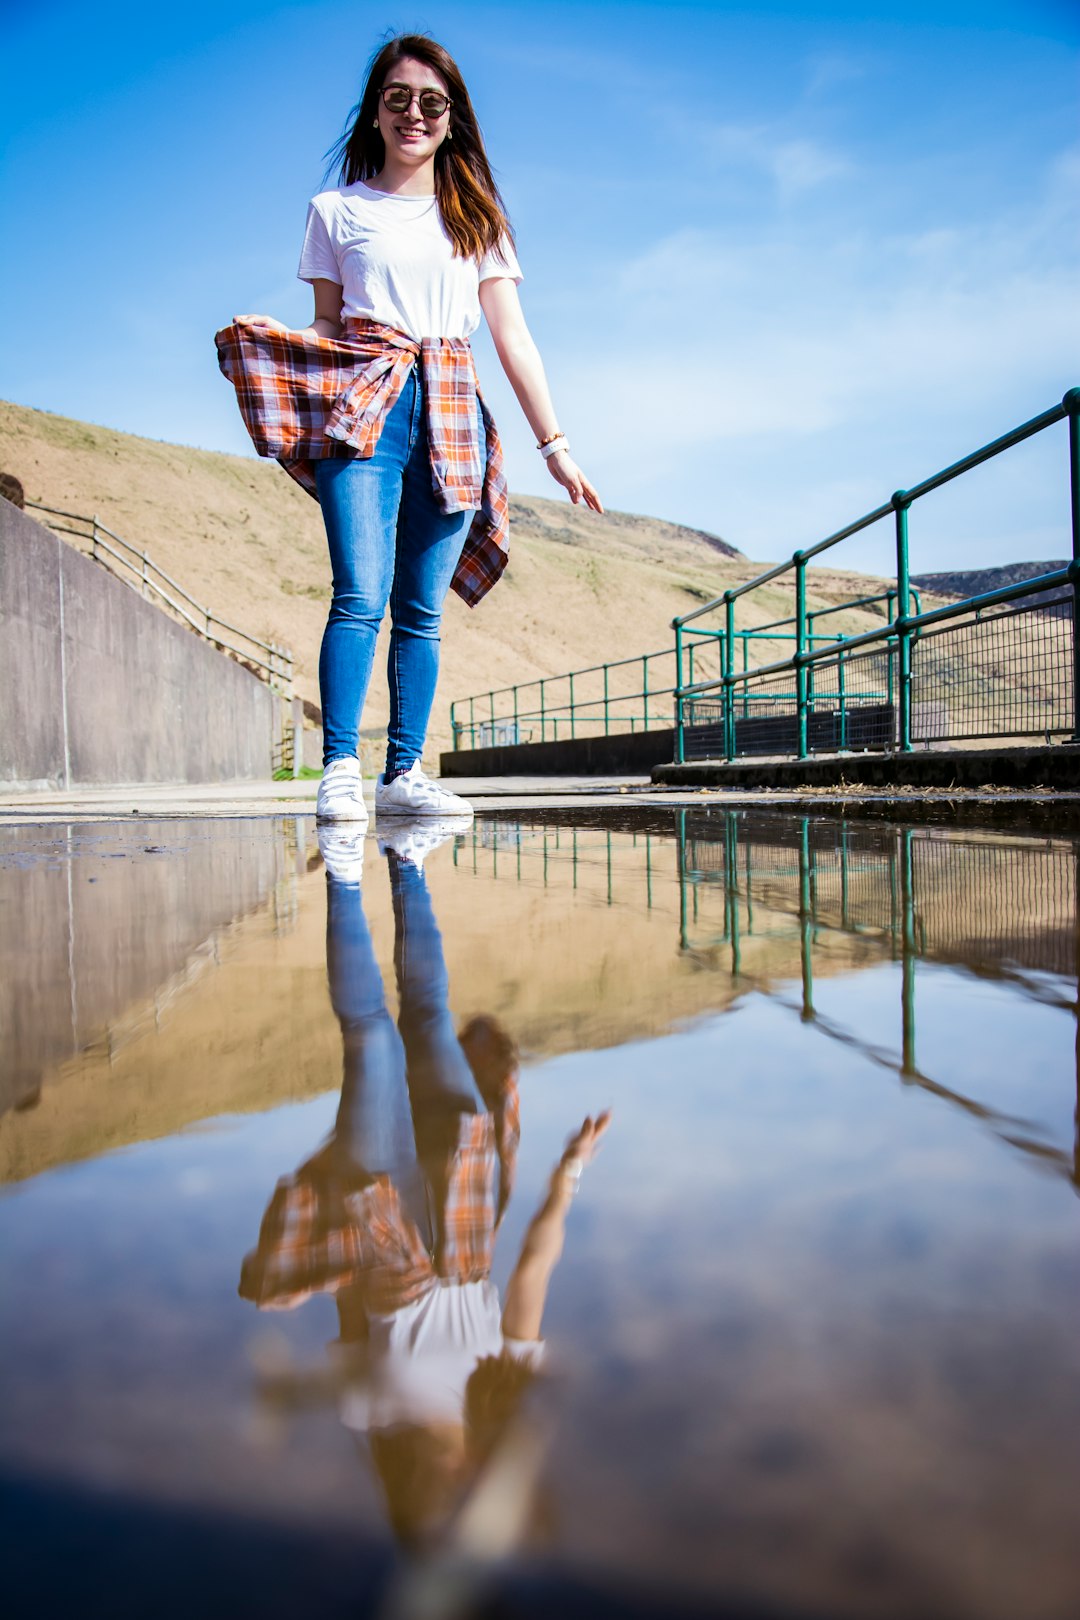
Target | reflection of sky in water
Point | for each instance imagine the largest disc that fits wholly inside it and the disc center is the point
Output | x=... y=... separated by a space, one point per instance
x=814 y=1330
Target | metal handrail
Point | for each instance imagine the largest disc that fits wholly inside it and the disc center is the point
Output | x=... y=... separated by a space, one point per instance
x=277 y=666
x=917 y=621
x=904 y=626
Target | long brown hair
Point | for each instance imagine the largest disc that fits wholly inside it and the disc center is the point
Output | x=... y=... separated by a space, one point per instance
x=471 y=208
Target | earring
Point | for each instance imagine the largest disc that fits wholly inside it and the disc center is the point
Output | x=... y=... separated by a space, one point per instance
x=375 y=124
x=449 y=134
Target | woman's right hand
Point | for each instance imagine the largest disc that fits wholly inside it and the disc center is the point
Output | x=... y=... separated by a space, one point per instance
x=266 y=321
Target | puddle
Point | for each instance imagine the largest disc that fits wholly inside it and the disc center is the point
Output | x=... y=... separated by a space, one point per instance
x=298 y=1307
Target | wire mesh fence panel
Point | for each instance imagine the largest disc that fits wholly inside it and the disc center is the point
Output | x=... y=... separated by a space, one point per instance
x=853 y=883
x=850 y=705
x=998 y=674
x=995 y=905
x=703 y=736
x=766 y=715
x=851 y=701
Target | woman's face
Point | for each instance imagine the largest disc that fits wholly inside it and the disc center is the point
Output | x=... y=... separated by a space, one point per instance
x=412 y=135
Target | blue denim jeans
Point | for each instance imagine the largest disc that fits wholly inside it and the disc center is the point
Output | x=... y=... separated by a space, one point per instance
x=390 y=542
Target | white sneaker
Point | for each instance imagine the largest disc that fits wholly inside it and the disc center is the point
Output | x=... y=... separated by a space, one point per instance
x=342 y=850
x=413 y=840
x=414 y=794
x=341 y=795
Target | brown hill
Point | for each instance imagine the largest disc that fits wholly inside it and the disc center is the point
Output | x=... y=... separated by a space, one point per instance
x=241 y=536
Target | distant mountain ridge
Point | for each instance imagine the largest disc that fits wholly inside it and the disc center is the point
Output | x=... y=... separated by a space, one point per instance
x=964 y=582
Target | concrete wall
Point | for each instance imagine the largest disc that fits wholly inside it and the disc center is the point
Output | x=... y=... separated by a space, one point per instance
x=98 y=686
x=625 y=753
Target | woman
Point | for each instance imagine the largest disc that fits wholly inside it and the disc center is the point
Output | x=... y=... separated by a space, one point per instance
x=375 y=407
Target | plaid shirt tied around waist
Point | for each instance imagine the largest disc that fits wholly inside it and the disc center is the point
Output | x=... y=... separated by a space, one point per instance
x=319 y=1235
x=305 y=397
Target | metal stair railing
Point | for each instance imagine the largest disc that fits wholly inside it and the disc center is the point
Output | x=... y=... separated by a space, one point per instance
x=136 y=568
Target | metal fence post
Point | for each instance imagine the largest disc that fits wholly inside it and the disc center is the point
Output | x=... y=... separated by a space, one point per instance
x=728 y=645
x=1071 y=403
x=680 y=750
x=731 y=892
x=543 y=734
x=645 y=688
x=573 y=728
x=454 y=727
x=907 y=943
x=806 y=932
x=800 y=648
x=900 y=503
x=841 y=692
x=296 y=714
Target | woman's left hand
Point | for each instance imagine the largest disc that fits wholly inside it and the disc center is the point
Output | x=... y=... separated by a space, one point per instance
x=565 y=470
x=584 y=1143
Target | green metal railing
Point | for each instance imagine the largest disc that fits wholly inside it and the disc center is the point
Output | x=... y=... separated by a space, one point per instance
x=893 y=642
x=554 y=707
x=992 y=665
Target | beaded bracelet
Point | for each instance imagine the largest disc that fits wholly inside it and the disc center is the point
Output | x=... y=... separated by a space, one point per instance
x=558 y=434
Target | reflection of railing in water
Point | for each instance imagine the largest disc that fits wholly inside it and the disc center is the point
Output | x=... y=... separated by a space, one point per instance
x=1001 y=907
x=530 y=852
x=1030 y=922
x=923 y=895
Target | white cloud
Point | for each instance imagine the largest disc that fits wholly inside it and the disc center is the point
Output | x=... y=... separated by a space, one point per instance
x=724 y=358
x=795 y=164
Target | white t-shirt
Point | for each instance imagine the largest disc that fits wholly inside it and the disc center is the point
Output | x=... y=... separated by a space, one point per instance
x=395 y=263
x=421 y=1357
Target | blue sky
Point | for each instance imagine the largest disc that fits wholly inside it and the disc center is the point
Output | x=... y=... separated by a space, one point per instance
x=778 y=260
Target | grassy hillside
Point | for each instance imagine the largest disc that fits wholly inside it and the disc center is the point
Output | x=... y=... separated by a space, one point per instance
x=242 y=537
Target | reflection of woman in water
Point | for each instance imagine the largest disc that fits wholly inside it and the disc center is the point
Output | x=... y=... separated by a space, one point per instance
x=396 y=1215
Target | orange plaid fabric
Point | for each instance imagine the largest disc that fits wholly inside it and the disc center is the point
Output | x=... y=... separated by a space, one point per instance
x=319 y=1234
x=305 y=397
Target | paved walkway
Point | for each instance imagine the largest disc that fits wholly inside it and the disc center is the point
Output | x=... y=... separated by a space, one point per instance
x=298 y=798
x=504 y=793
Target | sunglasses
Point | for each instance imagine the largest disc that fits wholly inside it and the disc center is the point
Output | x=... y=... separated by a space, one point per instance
x=398 y=98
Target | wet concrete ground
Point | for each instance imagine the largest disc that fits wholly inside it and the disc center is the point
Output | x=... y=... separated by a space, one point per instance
x=811 y=1339
x=528 y=792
